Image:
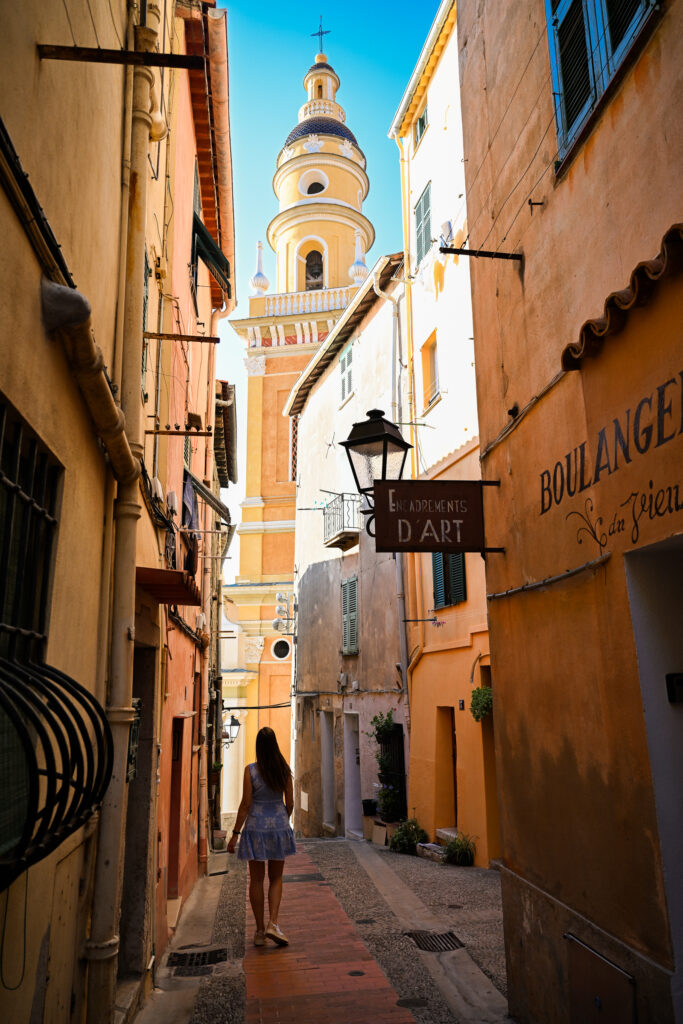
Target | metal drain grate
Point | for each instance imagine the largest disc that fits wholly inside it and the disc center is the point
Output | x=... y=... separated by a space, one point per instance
x=313 y=877
x=432 y=942
x=199 y=958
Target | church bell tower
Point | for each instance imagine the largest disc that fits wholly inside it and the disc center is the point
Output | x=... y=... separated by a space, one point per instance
x=319 y=236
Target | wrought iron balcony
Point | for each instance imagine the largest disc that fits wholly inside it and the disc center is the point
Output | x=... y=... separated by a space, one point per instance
x=342 y=521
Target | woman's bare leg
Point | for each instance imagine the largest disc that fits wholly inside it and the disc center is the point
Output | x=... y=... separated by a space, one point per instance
x=257 y=872
x=275 y=869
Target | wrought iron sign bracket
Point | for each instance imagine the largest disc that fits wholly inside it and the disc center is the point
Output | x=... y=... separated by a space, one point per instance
x=486 y=253
x=140 y=58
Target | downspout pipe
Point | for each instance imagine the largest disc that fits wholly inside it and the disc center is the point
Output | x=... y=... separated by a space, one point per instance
x=66 y=313
x=397 y=413
x=102 y=948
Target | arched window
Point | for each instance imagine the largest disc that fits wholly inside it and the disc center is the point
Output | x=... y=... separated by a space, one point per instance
x=314 y=271
x=320 y=92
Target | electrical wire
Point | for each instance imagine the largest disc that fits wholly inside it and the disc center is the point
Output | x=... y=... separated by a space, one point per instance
x=114 y=24
x=97 y=38
x=71 y=29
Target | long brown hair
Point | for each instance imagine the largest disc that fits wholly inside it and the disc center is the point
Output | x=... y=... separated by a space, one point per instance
x=272 y=766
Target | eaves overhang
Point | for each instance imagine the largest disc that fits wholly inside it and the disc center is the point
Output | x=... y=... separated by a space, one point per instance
x=363 y=301
x=644 y=280
x=431 y=51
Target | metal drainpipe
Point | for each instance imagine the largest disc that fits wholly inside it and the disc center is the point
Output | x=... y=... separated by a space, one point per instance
x=397 y=413
x=102 y=948
x=414 y=561
x=216 y=315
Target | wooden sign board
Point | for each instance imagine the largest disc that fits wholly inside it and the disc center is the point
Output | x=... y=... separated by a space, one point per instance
x=429 y=515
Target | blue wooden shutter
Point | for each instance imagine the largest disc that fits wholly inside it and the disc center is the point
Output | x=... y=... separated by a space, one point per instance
x=456 y=578
x=438 y=580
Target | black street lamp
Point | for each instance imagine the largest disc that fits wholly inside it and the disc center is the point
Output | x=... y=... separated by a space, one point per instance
x=230 y=731
x=376 y=450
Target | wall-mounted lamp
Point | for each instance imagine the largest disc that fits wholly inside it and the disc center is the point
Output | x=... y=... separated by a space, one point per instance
x=230 y=731
x=376 y=450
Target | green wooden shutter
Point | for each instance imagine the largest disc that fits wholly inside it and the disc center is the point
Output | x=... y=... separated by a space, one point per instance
x=350 y=616
x=456 y=578
x=423 y=224
x=438 y=580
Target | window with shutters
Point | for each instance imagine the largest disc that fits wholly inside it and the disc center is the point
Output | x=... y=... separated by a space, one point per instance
x=350 y=616
x=420 y=126
x=589 y=39
x=430 y=372
x=423 y=224
x=345 y=367
x=450 y=581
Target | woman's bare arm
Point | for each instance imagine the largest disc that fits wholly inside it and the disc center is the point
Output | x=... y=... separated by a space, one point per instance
x=242 y=810
x=289 y=796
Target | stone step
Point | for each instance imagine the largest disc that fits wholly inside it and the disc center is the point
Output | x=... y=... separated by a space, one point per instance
x=443 y=835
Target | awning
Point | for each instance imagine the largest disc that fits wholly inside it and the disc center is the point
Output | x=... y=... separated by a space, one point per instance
x=168 y=586
x=209 y=253
x=202 y=491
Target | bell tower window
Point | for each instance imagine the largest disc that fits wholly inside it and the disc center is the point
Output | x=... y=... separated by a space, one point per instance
x=314 y=271
x=320 y=92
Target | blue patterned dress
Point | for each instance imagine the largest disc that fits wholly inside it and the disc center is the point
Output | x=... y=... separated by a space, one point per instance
x=266 y=833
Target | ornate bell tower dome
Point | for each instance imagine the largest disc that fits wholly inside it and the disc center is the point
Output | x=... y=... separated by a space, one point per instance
x=320 y=183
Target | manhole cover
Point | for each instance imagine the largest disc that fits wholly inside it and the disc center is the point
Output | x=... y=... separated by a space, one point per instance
x=316 y=877
x=199 y=958
x=412 y=1004
x=432 y=942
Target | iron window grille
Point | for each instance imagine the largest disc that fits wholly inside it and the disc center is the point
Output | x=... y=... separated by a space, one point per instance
x=350 y=616
x=293 y=446
x=449 y=579
x=423 y=224
x=55 y=741
x=589 y=40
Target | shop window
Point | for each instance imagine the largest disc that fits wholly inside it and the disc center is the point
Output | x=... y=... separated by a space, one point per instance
x=423 y=224
x=589 y=40
x=350 y=616
x=450 y=581
x=420 y=126
x=346 y=371
x=430 y=372
x=314 y=271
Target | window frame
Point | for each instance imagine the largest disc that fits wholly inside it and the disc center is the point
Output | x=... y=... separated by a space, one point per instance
x=603 y=62
x=423 y=223
x=349 y=598
x=346 y=371
x=430 y=373
x=421 y=125
x=449 y=579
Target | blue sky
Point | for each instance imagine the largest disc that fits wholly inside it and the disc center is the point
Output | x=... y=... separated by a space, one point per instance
x=374 y=49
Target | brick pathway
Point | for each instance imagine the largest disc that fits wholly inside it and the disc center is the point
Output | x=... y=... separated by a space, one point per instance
x=326 y=975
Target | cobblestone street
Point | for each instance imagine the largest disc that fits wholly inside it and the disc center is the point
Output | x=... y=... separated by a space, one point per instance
x=347 y=907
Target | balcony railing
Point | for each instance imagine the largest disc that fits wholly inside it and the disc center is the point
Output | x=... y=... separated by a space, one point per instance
x=319 y=301
x=321 y=108
x=342 y=521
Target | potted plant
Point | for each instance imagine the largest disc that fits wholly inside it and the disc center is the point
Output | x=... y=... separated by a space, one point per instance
x=461 y=850
x=382 y=725
x=407 y=836
x=482 y=702
x=390 y=802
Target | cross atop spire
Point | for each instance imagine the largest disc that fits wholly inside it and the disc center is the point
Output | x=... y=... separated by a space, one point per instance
x=320 y=33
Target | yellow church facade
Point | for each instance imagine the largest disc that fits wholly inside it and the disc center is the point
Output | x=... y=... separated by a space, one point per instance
x=319 y=236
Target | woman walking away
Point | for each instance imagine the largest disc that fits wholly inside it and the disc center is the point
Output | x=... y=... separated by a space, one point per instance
x=263 y=820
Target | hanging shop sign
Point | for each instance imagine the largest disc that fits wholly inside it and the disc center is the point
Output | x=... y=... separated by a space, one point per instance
x=430 y=515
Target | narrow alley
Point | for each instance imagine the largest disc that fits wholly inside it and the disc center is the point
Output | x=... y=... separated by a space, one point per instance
x=348 y=909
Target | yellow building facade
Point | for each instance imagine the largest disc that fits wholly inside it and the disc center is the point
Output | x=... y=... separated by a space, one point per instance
x=319 y=237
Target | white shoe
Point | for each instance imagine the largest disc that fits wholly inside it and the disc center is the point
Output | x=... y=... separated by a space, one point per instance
x=274 y=932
